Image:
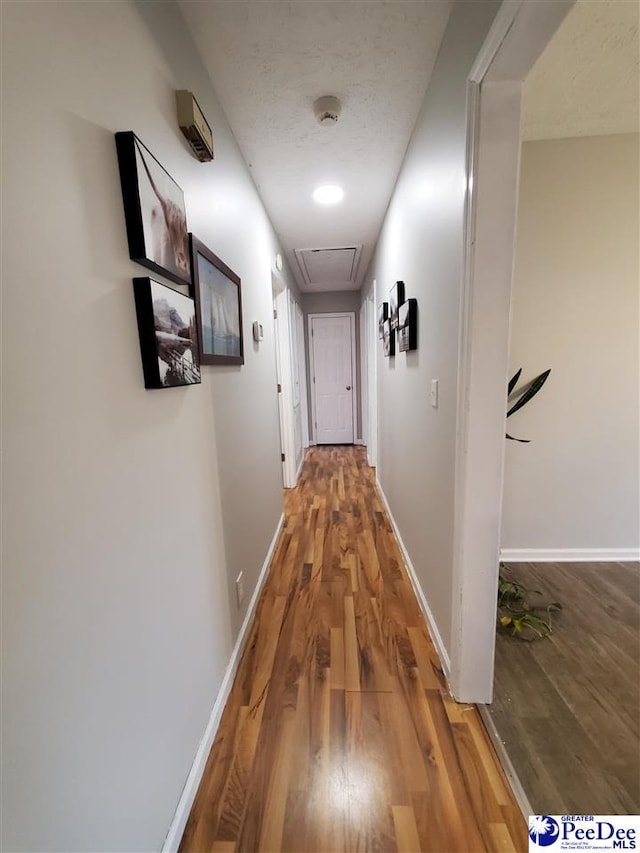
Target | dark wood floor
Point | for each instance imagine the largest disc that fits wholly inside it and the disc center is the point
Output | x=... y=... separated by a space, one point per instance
x=339 y=733
x=568 y=708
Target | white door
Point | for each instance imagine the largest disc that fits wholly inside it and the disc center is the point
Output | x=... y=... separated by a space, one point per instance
x=333 y=351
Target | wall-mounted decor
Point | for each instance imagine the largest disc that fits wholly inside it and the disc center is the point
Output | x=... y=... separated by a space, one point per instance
x=396 y=298
x=383 y=314
x=168 y=335
x=388 y=339
x=408 y=325
x=154 y=211
x=218 y=305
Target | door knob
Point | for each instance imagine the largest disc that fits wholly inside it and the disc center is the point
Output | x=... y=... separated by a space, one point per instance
x=348 y=387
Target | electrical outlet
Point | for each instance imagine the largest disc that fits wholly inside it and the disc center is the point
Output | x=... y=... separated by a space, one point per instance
x=240 y=589
x=434 y=393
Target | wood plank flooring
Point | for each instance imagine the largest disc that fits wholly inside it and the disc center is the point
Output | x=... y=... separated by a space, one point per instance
x=568 y=708
x=339 y=733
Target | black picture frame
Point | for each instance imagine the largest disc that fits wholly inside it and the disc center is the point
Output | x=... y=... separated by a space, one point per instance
x=154 y=211
x=167 y=328
x=396 y=298
x=408 y=325
x=218 y=296
x=388 y=339
x=383 y=314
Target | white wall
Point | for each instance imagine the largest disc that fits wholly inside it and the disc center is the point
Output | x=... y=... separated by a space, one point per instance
x=127 y=513
x=575 y=310
x=421 y=243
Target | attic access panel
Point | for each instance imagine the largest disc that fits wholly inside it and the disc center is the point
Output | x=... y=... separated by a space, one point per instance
x=331 y=266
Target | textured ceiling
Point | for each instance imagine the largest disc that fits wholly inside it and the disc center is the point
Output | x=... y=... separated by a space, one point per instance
x=586 y=81
x=269 y=60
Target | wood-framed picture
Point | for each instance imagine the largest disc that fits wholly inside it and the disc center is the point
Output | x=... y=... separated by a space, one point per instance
x=383 y=314
x=218 y=296
x=408 y=325
x=154 y=211
x=396 y=298
x=168 y=335
x=388 y=339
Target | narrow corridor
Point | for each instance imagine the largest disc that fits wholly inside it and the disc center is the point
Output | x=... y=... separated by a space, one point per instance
x=339 y=733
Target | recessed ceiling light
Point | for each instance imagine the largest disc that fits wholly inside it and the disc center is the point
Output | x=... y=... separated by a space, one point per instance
x=328 y=194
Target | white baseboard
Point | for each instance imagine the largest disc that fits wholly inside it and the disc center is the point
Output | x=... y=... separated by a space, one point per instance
x=569 y=555
x=503 y=756
x=176 y=830
x=422 y=600
x=359 y=442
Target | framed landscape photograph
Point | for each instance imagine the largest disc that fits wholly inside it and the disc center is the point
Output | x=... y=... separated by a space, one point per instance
x=408 y=325
x=218 y=306
x=396 y=298
x=383 y=314
x=154 y=211
x=388 y=339
x=168 y=335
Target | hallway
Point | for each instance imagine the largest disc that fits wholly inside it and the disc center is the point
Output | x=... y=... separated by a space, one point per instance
x=339 y=733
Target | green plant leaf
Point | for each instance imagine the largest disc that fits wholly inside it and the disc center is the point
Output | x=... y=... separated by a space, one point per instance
x=513 y=381
x=521 y=440
x=530 y=392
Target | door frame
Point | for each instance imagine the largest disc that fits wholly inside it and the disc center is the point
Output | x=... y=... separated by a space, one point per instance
x=519 y=34
x=298 y=319
x=364 y=365
x=372 y=376
x=284 y=379
x=354 y=369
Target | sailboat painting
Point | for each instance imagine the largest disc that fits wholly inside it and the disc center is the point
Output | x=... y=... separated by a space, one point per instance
x=218 y=307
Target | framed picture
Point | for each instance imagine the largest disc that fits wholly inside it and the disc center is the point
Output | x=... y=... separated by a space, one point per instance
x=218 y=307
x=396 y=298
x=154 y=211
x=383 y=314
x=168 y=335
x=388 y=339
x=408 y=325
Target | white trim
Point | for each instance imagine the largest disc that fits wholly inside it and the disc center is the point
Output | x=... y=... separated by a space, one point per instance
x=176 y=829
x=360 y=442
x=500 y=28
x=570 y=555
x=417 y=588
x=354 y=369
x=372 y=350
x=364 y=366
x=519 y=34
x=503 y=756
x=298 y=472
x=304 y=393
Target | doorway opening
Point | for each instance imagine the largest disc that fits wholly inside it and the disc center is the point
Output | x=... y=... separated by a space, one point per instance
x=290 y=377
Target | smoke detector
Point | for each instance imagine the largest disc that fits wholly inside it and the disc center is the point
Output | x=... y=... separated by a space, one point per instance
x=327 y=110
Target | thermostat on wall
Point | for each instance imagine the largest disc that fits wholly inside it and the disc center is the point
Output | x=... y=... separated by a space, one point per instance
x=258 y=331
x=194 y=125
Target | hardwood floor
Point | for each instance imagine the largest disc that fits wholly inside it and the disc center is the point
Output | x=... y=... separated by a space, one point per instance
x=339 y=733
x=568 y=708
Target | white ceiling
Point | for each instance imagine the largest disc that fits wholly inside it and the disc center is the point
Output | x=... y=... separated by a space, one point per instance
x=269 y=61
x=586 y=81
